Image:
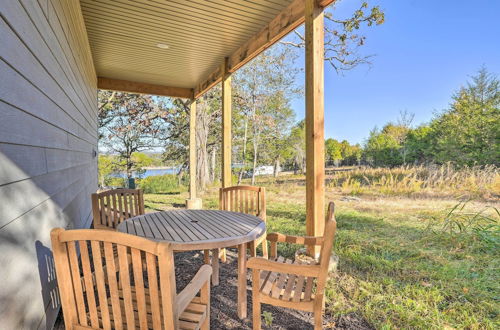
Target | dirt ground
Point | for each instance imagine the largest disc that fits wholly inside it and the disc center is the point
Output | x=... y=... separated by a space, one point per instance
x=223 y=304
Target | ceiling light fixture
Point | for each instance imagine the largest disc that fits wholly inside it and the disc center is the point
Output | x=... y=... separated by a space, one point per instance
x=162 y=46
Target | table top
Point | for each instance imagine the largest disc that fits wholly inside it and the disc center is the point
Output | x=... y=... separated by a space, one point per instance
x=196 y=229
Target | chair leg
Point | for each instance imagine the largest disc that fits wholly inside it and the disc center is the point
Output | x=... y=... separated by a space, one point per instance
x=222 y=255
x=206 y=324
x=255 y=299
x=215 y=267
x=318 y=317
x=253 y=249
x=205 y=299
x=206 y=257
x=265 y=253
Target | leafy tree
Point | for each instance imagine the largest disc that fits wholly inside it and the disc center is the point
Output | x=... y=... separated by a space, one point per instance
x=266 y=85
x=382 y=148
x=469 y=131
x=333 y=150
x=351 y=154
x=128 y=123
x=297 y=147
x=141 y=160
x=106 y=104
x=175 y=137
x=387 y=147
x=107 y=166
x=280 y=123
x=419 y=145
x=398 y=133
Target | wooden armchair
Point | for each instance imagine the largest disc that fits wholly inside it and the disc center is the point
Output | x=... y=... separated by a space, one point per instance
x=281 y=282
x=111 y=207
x=98 y=291
x=244 y=199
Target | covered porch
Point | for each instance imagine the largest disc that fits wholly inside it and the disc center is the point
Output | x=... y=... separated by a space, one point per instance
x=182 y=50
x=59 y=53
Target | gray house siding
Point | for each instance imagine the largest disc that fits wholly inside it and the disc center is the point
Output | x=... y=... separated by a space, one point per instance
x=48 y=139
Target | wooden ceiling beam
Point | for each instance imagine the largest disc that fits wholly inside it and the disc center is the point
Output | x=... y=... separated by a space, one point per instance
x=285 y=22
x=143 y=88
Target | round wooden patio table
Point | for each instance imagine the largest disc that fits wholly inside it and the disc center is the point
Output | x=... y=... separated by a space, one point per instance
x=189 y=230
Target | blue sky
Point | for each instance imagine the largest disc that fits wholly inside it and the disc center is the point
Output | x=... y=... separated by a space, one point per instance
x=424 y=51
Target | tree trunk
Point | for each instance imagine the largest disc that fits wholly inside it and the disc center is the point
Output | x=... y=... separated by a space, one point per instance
x=129 y=165
x=202 y=128
x=179 y=175
x=202 y=168
x=255 y=147
x=244 y=156
x=276 y=167
x=213 y=164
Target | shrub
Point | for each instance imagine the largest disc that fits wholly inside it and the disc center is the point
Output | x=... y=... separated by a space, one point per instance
x=167 y=183
x=459 y=223
x=115 y=182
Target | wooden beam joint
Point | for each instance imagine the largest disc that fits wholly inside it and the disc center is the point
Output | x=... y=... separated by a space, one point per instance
x=285 y=22
x=324 y=3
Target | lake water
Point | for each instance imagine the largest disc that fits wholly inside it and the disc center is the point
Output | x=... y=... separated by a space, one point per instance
x=159 y=171
x=152 y=172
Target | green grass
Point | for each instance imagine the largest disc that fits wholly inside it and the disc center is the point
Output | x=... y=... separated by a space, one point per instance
x=398 y=268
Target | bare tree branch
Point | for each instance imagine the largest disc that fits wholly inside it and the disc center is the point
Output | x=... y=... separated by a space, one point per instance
x=342 y=43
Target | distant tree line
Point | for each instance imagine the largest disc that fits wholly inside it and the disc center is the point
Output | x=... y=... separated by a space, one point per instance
x=467 y=133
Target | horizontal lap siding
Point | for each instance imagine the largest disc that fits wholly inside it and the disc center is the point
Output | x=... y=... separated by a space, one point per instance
x=48 y=135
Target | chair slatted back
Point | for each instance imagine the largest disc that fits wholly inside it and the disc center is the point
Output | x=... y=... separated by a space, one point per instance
x=326 y=246
x=112 y=280
x=244 y=199
x=111 y=207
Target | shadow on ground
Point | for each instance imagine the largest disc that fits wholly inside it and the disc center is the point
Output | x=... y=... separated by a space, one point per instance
x=223 y=303
x=223 y=314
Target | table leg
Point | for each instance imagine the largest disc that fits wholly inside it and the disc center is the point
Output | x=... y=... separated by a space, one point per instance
x=242 y=281
x=215 y=267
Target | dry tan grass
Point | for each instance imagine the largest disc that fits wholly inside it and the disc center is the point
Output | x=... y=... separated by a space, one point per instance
x=420 y=181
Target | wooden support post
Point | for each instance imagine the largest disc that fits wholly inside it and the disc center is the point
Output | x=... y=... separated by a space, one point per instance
x=315 y=140
x=226 y=126
x=193 y=202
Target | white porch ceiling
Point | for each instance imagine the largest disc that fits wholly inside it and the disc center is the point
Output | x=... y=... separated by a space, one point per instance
x=124 y=34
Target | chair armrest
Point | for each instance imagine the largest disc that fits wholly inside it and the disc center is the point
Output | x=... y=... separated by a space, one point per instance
x=201 y=278
x=304 y=240
x=279 y=267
